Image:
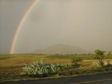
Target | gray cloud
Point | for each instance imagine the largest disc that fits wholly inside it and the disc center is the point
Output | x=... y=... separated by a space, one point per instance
x=87 y=24
x=11 y=12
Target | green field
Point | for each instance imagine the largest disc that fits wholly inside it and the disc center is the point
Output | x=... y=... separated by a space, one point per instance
x=11 y=65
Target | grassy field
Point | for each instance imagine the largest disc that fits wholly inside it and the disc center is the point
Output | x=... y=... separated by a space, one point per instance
x=11 y=65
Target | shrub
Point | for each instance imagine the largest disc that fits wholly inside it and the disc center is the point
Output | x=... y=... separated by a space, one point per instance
x=95 y=64
x=76 y=61
x=41 y=69
x=100 y=56
x=106 y=65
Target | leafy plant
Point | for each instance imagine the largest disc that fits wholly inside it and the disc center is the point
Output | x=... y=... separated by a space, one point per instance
x=106 y=65
x=41 y=69
x=76 y=61
x=95 y=64
x=100 y=56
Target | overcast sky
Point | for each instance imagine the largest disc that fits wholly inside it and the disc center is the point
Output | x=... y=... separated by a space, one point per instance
x=83 y=23
x=11 y=12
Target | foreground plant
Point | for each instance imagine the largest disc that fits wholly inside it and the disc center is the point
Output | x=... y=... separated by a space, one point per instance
x=76 y=62
x=106 y=65
x=41 y=69
x=100 y=56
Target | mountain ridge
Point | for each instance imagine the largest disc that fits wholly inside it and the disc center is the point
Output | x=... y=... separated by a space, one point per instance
x=61 y=49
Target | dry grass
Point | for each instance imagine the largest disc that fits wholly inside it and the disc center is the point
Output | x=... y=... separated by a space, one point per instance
x=11 y=65
x=60 y=61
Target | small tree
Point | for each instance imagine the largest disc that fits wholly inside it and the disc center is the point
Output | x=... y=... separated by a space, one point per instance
x=100 y=56
x=76 y=61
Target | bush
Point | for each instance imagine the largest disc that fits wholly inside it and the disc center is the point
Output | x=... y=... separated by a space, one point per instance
x=106 y=65
x=41 y=69
x=76 y=61
x=100 y=56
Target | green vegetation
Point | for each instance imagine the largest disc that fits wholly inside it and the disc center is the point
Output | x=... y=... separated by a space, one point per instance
x=71 y=56
x=100 y=57
x=76 y=62
x=41 y=69
x=14 y=67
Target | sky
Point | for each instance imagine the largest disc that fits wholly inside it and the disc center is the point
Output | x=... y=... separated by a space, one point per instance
x=83 y=23
x=11 y=12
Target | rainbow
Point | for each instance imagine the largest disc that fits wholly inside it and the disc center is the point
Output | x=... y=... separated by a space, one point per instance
x=20 y=25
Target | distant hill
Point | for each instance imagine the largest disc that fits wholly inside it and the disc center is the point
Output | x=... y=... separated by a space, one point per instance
x=61 y=49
